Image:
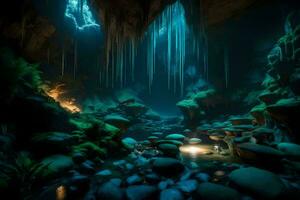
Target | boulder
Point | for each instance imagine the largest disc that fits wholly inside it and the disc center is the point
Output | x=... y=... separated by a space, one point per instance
x=117 y=121
x=241 y=120
x=141 y=192
x=290 y=150
x=187 y=186
x=258 y=152
x=135 y=109
x=194 y=141
x=52 y=142
x=190 y=110
x=171 y=194
x=257 y=182
x=90 y=149
x=57 y=165
x=109 y=191
x=211 y=191
x=179 y=137
x=169 y=149
x=258 y=112
x=162 y=166
x=268 y=97
x=129 y=143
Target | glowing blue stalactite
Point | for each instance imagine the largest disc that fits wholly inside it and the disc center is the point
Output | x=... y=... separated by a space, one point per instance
x=171 y=25
x=79 y=12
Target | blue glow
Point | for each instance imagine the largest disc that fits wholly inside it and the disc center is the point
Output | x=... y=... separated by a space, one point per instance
x=81 y=15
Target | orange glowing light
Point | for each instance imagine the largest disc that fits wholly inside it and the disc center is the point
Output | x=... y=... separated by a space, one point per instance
x=67 y=103
x=61 y=193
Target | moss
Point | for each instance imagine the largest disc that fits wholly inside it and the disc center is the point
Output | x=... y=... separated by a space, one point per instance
x=90 y=149
x=204 y=94
x=187 y=104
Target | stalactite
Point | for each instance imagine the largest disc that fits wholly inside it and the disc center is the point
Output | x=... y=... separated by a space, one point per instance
x=63 y=61
x=75 y=66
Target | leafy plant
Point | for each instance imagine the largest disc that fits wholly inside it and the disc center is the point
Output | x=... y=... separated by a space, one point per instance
x=22 y=174
x=16 y=74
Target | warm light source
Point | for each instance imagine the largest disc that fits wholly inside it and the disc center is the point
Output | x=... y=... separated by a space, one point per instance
x=67 y=103
x=61 y=193
x=193 y=150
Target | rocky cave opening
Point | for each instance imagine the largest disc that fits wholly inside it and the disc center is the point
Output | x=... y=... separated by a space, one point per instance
x=152 y=99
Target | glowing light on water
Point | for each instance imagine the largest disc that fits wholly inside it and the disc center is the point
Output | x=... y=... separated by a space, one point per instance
x=81 y=15
x=194 y=150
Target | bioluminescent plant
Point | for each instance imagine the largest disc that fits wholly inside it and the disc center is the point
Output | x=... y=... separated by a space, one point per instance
x=80 y=13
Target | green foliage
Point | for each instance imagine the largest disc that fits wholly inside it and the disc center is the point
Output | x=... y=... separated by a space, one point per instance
x=22 y=174
x=16 y=74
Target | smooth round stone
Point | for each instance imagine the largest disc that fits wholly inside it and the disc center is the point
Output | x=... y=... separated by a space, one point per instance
x=187 y=186
x=169 y=149
x=109 y=191
x=168 y=167
x=134 y=179
x=105 y=172
x=202 y=177
x=290 y=149
x=195 y=141
x=211 y=191
x=179 y=137
x=129 y=142
x=141 y=192
x=171 y=194
x=258 y=182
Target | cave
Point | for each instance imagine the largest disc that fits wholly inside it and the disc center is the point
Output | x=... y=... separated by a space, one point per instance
x=150 y=99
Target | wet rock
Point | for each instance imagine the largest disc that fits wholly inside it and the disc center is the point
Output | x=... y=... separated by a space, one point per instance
x=174 y=142
x=211 y=191
x=258 y=113
x=260 y=183
x=263 y=135
x=117 y=121
x=171 y=194
x=79 y=157
x=141 y=192
x=116 y=181
x=152 y=178
x=135 y=109
x=87 y=167
x=290 y=150
x=162 y=166
x=104 y=173
x=57 y=165
x=283 y=111
x=190 y=111
x=129 y=143
x=109 y=191
x=169 y=149
x=152 y=115
x=54 y=142
x=90 y=150
x=187 y=186
x=241 y=120
x=194 y=141
x=134 y=179
x=165 y=184
x=202 y=177
x=255 y=151
x=179 y=137
x=269 y=97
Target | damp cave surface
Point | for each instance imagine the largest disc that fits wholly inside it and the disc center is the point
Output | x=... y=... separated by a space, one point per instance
x=146 y=100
